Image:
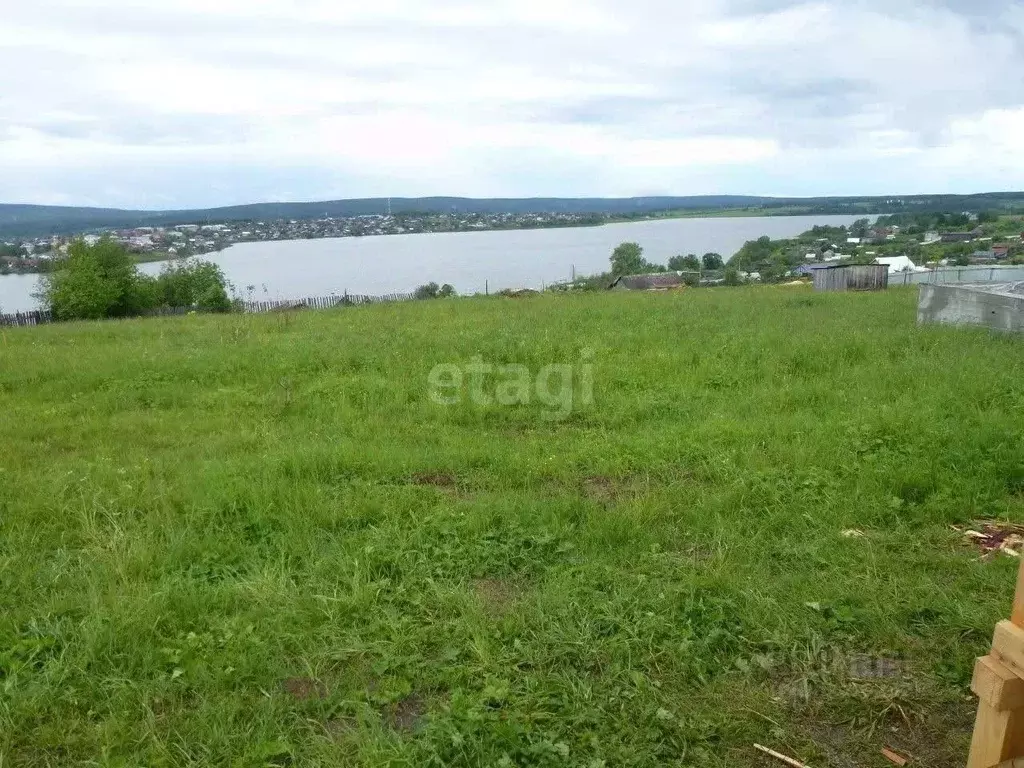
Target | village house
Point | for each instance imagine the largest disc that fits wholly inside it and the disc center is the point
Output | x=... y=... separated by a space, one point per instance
x=897 y=264
x=957 y=237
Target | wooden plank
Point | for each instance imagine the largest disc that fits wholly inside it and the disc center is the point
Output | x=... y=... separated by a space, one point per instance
x=780 y=757
x=998 y=737
x=997 y=685
x=1008 y=646
x=1017 y=616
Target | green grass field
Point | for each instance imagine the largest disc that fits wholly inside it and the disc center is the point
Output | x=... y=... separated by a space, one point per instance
x=255 y=540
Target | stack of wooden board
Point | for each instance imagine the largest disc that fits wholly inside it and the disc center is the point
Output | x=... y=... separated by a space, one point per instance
x=999 y=684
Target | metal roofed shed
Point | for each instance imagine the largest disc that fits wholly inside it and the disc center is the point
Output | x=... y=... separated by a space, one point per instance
x=998 y=306
x=852 y=277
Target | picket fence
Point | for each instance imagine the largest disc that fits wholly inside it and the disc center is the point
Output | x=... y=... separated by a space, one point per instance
x=322 y=302
x=42 y=317
x=39 y=317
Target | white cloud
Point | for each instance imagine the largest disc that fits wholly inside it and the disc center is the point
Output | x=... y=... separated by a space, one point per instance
x=124 y=102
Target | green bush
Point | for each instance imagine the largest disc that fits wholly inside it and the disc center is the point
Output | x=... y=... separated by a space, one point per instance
x=102 y=280
x=94 y=281
x=434 y=291
x=194 y=284
x=628 y=259
x=680 y=263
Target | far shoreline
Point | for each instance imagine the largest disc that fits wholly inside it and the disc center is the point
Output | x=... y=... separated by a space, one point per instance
x=501 y=264
x=731 y=213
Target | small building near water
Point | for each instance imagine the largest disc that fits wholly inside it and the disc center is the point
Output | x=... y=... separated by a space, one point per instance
x=852 y=277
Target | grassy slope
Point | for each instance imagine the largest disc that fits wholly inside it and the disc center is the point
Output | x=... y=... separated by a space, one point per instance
x=201 y=516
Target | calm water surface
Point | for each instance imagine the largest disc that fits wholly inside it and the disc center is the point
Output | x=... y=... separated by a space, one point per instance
x=468 y=260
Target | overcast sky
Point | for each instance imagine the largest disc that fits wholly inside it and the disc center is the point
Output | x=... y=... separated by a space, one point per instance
x=135 y=103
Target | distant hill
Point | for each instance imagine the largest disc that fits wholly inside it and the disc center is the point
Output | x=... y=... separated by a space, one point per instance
x=41 y=220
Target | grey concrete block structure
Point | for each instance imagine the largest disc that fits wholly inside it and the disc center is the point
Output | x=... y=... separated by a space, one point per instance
x=999 y=306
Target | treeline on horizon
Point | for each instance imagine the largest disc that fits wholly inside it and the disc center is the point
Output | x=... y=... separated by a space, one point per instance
x=38 y=221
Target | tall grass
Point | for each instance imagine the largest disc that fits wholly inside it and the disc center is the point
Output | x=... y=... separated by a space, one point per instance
x=254 y=540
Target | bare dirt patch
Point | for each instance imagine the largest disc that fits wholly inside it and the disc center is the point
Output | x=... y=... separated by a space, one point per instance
x=938 y=741
x=872 y=668
x=304 y=688
x=341 y=727
x=603 y=489
x=498 y=596
x=608 y=490
x=406 y=715
x=435 y=479
x=847 y=707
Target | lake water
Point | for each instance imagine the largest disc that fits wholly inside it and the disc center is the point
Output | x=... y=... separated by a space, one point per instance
x=468 y=260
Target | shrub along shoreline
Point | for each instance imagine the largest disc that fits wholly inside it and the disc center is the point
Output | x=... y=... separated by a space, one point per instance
x=103 y=281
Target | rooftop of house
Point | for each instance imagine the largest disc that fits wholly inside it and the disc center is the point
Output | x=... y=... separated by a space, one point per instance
x=806 y=269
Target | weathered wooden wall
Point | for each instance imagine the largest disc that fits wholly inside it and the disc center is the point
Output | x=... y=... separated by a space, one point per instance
x=852 y=277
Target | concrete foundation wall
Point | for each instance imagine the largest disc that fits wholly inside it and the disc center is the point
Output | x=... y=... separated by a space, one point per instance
x=999 y=307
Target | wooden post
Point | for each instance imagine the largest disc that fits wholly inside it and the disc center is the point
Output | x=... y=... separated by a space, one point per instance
x=999 y=684
x=1017 y=616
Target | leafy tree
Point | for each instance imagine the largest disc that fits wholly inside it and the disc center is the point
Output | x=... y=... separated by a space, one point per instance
x=193 y=283
x=962 y=260
x=772 y=271
x=757 y=255
x=732 y=276
x=628 y=259
x=93 y=282
x=713 y=261
x=102 y=280
x=11 y=250
x=428 y=291
x=680 y=263
x=434 y=291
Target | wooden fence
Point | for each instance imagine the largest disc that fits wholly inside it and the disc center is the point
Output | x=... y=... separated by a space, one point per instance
x=41 y=317
x=321 y=302
x=38 y=317
x=852 y=277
